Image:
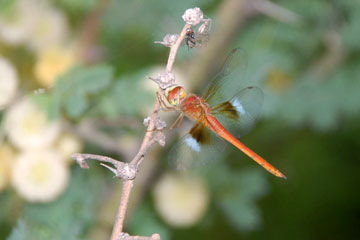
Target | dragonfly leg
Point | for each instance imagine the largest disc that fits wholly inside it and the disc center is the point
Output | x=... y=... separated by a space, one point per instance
x=161 y=101
x=178 y=121
x=164 y=106
x=169 y=109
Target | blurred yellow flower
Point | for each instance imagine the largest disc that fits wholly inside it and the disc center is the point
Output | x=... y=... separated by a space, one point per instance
x=181 y=200
x=8 y=82
x=68 y=144
x=51 y=62
x=7 y=158
x=27 y=126
x=40 y=175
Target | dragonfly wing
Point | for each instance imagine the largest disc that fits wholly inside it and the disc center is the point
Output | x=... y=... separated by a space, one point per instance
x=229 y=80
x=239 y=114
x=195 y=149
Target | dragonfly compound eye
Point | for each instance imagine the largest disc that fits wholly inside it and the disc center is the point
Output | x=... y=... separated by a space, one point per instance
x=176 y=95
x=182 y=94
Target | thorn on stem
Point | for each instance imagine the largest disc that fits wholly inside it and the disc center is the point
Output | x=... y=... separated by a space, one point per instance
x=113 y=170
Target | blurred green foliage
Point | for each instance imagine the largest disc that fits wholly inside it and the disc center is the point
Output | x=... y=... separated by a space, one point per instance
x=66 y=218
x=145 y=222
x=74 y=92
x=310 y=127
x=77 y=7
x=127 y=97
x=238 y=200
x=5 y=4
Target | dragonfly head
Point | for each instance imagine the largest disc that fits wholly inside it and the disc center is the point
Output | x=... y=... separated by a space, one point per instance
x=176 y=95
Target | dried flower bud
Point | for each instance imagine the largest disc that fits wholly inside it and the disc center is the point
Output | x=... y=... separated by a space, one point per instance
x=169 y=40
x=160 y=138
x=147 y=121
x=159 y=123
x=123 y=236
x=164 y=80
x=193 y=16
x=155 y=236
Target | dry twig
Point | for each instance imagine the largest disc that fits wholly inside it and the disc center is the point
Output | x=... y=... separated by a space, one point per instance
x=127 y=171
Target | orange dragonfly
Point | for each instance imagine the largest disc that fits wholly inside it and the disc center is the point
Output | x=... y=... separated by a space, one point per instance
x=222 y=107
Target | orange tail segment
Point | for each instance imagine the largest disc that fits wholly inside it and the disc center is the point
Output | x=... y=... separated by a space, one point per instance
x=215 y=126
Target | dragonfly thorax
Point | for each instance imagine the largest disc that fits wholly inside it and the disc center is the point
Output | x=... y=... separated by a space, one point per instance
x=195 y=107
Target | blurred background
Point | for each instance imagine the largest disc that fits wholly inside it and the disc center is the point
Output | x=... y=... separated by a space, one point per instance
x=73 y=79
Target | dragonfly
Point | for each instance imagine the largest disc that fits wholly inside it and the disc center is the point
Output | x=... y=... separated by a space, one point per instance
x=228 y=105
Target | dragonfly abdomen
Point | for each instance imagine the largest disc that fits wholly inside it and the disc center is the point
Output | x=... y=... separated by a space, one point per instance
x=215 y=126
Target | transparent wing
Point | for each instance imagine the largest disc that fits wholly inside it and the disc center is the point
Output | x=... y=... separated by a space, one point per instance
x=229 y=80
x=239 y=114
x=201 y=39
x=196 y=149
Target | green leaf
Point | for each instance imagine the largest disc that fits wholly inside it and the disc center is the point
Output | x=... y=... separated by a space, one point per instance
x=76 y=105
x=128 y=96
x=69 y=216
x=89 y=79
x=78 y=89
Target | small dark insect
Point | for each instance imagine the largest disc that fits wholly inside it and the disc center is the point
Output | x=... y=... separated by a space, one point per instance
x=190 y=38
x=197 y=38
